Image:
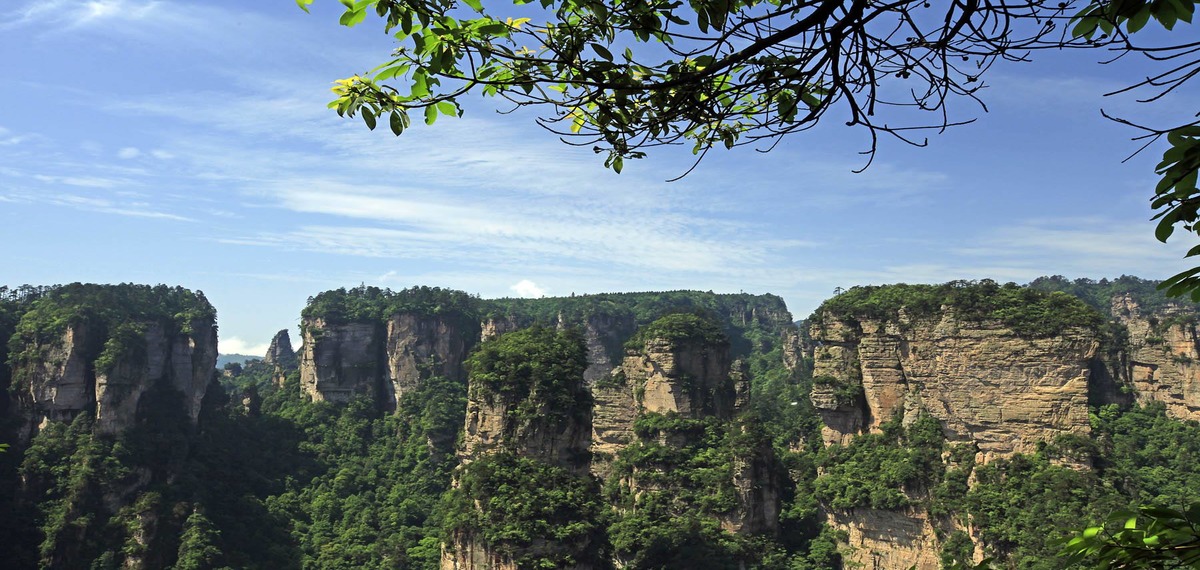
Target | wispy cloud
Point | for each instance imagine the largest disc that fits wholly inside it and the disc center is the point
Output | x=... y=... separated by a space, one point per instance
x=70 y=14
x=130 y=208
x=82 y=181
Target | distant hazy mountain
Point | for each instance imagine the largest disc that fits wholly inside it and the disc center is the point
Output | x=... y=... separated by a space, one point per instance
x=223 y=359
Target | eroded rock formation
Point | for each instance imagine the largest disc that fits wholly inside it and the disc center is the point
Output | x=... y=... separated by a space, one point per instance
x=65 y=379
x=1164 y=356
x=421 y=346
x=341 y=361
x=984 y=383
x=280 y=353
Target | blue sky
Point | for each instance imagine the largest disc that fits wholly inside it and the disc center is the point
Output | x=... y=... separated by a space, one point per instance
x=188 y=143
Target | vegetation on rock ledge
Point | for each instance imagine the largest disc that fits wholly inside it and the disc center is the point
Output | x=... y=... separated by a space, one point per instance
x=1027 y=311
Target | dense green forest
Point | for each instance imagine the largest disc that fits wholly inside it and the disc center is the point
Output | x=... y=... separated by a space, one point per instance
x=269 y=479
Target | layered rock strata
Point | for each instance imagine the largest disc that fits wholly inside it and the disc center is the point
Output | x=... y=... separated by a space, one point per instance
x=1163 y=362
x=983 y=382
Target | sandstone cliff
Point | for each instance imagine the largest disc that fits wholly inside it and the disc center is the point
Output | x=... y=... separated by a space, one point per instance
x=280 y=352
x=1163 y=356
x=341 y=361
x=1001 y=390
x=985 y=383
x=420 y=346
x=690 y=378
x=64 y=380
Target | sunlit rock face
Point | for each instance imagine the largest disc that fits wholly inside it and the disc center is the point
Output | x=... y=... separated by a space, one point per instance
x=1163 y=361
x=691 y=378
x=986 y=384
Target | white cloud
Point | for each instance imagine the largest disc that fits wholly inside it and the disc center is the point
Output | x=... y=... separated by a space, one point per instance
x=528 y=289
x=128 y=152
x=235 y=345
x=161 y=154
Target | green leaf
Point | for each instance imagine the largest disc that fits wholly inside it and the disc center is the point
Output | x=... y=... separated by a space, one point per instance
x=1086 y=27
x=602 y=52
x=398 y=122
x=352 y=18
x=1164 y=230
x=431 y=114
x=304 y=4
x=1138 y=21
x=449 y=109
x=369 y=118
x=476 y=5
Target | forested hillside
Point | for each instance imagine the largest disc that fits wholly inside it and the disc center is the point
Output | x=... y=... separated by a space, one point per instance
x=649 y=430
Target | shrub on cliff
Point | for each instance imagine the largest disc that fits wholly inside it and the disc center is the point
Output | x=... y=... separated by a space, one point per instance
x=372 y=304
x=1027 y=311
x=537 y=372
x=536 y=514
x=679 y=328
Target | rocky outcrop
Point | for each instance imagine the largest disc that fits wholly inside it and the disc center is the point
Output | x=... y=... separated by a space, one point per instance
x=60 y=381
x=527 y=427
x=613 y=414
x=690 y=378
x=341 y=361
x=603 y=335
x=64 y=380
x=383 y=361
x=494 y=327
x=1163 y=362
x=186 y=361
x=420 y=346
x=280 y=353
x=757 y=483
x=983 y=382
x=887 y=540
x=695 y=379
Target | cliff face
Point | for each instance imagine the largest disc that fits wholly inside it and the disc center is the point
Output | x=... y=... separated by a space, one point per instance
x=64 y=381
x=889 y=540
x=185 y=360
x=527 y=427
x=60 y=382
x=603 y=335
x=420 y=346
x=982 y=381
x=1163 y=361
x=691 y=378
x=341 y=361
